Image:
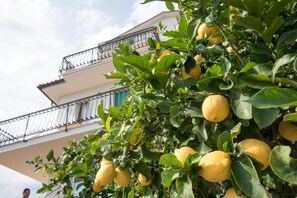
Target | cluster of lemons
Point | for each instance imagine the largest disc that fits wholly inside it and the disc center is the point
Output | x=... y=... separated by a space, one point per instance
x=122 y=176
x=216 y=165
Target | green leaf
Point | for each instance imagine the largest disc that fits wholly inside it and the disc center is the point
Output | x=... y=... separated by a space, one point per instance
x=265 y=117
x=193 y=112
x=192 y=159
x=183 y=23
x=275 y=10
x=116 y=75
x=170 y=5
x=168 y=176
x=286 y=59
x=255 y=81
x=50 y=155
x=174 y=193
x=203 y=148
x=288 y=37
x=254 y=8
x=283 y=165
x=138 y=62
x=179 y=43
x=246 y=177
x=164 y=106
x=292 y=117
x=236 y=130
x=268 y=33
x=184 y=83
x=225 y=142
x=193 y=27
x=170 y=160
x=272 y=97
x=211 y=85
x=118 y=64
x=226 y=66
x=149 y=154
x=143 y=168
x=184 y=187
x=100 y=112
x=260 y=52
x=115 y=112
x=166 y=61
x=240 y=106
x=249 y=22
x=235 y=3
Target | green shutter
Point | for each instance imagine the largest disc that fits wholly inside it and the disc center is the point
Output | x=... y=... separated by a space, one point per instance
x=119 y=97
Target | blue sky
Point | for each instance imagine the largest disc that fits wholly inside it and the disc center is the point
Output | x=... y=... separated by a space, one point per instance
x=34 y=37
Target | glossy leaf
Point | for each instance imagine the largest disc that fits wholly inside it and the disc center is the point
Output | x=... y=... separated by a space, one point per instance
x=240 y=106
x=286 y=59
x=168 y=176
x=166 y=61
x=255 y=81
x=225 y=142
x=246 y=178
x=272 y=97
x=265 y=117
x=50 y=155
x=184 y=187
x=138 y=62
x=292 y=117
x=170 y=160
x=283 y=165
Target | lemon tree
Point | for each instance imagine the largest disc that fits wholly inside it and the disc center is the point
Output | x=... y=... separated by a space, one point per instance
x=211 y=108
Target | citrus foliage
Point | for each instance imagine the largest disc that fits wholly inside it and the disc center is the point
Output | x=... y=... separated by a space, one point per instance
x=247 y=64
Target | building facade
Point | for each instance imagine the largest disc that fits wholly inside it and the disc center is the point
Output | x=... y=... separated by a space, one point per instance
x=81 y=87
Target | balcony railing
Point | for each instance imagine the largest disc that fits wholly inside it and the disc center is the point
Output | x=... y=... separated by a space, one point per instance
x=58 y=118
x=104 y=50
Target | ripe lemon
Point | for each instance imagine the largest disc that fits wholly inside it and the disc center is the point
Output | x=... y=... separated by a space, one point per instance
x=201 y=31
x=105 y=175
x=216 y=166
x=230 y=193
x=143 y=181
x=182 y=154
x=164 y=53
x=123 y=177
x=215 y=40
x=195 y=72
x=257 y=150
x=105 y=162
x=215 y=108
x=97 y=186
x=288 y=130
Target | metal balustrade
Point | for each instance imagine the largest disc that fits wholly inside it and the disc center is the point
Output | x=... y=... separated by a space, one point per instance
x=104 y=50
x=57 y=118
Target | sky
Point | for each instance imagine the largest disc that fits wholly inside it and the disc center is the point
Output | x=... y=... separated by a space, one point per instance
x=34 y=37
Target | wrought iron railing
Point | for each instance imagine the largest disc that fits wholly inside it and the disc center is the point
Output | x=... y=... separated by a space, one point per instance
x=104 y=50
x=57 y=118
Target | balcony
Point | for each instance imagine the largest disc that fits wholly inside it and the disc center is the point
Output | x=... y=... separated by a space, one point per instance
x=58 y=118
x=104 y=50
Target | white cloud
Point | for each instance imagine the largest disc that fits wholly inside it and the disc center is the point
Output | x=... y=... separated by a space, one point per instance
x=142 y=12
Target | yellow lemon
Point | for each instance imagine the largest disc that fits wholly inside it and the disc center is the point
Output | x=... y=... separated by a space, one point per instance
x=230 y=193
x=143 y=181
x=164 y=53
x=288 y=130
x=215 y=166
x=105 y=175
x=257 y=150
x=123 y=177
x=215 y=108
x=182 y=154
x=97 y=186
x=105 y=162
x=195 y=72
x=215 y=40
x=201 y=31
